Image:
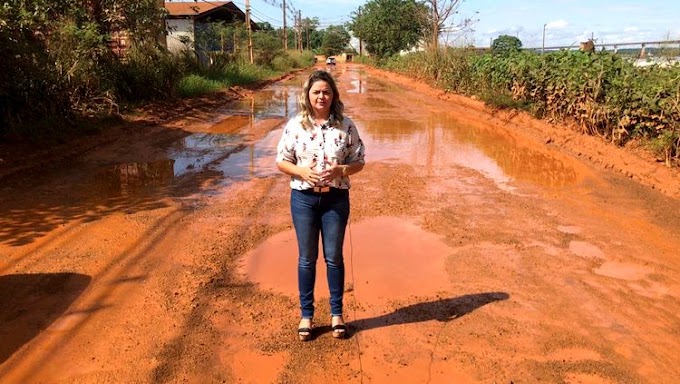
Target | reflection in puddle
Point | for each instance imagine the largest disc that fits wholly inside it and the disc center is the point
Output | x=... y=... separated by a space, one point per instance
x=255 y=160
x=375 y=102
x=200 y=149
x=230 y=124
x=277 y=101
x=358 y=83
x=441 y=140
x=122 y=179
x=223 y=146
x=226 y=145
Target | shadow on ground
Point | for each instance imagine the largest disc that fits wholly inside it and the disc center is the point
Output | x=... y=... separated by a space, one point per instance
x=31 y=302
x=441 y=310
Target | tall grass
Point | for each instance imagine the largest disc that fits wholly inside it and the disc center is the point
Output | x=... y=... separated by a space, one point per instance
x=226 y=71
x=195 y=85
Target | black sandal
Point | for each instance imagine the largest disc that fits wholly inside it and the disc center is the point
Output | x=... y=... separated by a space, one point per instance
x=339 y=330
x=305 y=333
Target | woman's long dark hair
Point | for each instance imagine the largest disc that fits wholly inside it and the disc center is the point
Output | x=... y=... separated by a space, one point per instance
x=337 y=107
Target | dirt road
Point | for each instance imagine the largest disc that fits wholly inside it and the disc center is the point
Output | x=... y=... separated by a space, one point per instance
x=479 y=252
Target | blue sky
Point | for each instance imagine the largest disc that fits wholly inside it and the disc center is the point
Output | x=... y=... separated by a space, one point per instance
x=567 y=21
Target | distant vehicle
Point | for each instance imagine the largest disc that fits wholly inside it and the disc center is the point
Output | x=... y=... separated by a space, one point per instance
x=330 y=60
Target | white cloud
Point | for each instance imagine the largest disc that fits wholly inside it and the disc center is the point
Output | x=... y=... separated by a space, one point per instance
x=630 y=9
x=557 y=24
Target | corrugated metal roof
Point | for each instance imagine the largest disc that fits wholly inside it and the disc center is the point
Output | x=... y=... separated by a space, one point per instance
x=192 y=8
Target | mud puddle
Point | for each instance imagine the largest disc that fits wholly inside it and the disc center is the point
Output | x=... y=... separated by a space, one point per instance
x=390 y=121
x=242 y=145
x=386 y=258
x=236 y=145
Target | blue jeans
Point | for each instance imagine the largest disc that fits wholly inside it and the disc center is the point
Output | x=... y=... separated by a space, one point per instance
x=325 y=214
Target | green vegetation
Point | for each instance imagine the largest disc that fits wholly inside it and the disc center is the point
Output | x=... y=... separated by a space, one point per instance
x=195 y=85
x=606 y=95
x=335 y=40
x=390 y=26
x=506 y=44
x=58 y=72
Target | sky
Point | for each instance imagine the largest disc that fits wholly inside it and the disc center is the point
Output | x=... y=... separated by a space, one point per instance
x=566 y=22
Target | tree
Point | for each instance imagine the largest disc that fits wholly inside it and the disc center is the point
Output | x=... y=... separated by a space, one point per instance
x=56 y=62
x=313 y=37
x=440 y=11
x=266 y=45
x=335 y=40
x=389 y=26
x=265 y=26
x=506 y=44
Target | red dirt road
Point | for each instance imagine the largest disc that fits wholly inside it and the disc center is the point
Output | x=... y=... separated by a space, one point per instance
x=484 y=247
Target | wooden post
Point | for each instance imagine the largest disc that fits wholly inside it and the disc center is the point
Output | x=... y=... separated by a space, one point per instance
x=250 y=32
x=300 y=29
x=285 y=30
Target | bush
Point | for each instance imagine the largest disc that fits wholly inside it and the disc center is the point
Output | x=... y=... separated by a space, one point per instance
x=302 y=59
x=195 y=85
x=364 y=60
x=282 y=63
x=148 y=73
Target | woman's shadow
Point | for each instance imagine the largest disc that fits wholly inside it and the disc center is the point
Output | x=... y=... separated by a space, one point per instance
x=441 y=310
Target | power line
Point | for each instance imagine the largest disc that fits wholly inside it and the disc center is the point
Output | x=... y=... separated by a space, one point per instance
x=263 y=16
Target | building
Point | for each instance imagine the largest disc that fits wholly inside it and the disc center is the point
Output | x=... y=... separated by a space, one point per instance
x=185 y=17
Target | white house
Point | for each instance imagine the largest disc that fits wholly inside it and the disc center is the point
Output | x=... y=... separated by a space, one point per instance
x=184 y=17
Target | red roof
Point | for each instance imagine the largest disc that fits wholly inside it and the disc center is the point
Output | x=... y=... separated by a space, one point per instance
x=192 y=8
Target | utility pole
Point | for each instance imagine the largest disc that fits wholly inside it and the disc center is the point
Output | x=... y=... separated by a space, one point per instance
x=543 y=46
x=300 y=29
x=250 y=32
x=285 y=30
x=361 y=45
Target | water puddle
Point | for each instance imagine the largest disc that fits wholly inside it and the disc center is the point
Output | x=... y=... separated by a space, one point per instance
x=196 y=151
x=585 y=249
x=126 y=179
x=358 y=84
x=385 y=259
x=569 y=229
x=256 y=160
x=623 y=271
x=396 y=126
x=241 y=144
x=440 y=140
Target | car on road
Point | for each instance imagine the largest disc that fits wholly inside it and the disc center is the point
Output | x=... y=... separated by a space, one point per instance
x=330 y=60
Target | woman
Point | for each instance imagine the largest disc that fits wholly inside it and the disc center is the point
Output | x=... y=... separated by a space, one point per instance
x=319 y=149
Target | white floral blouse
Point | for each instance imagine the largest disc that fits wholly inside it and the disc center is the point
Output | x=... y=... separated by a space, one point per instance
x=305 y=147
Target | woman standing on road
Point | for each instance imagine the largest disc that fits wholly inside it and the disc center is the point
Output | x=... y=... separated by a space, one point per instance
x=319 y=149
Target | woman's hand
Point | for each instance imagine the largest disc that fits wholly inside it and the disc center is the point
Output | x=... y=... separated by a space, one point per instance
x=309 y=175
x=333 y=172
